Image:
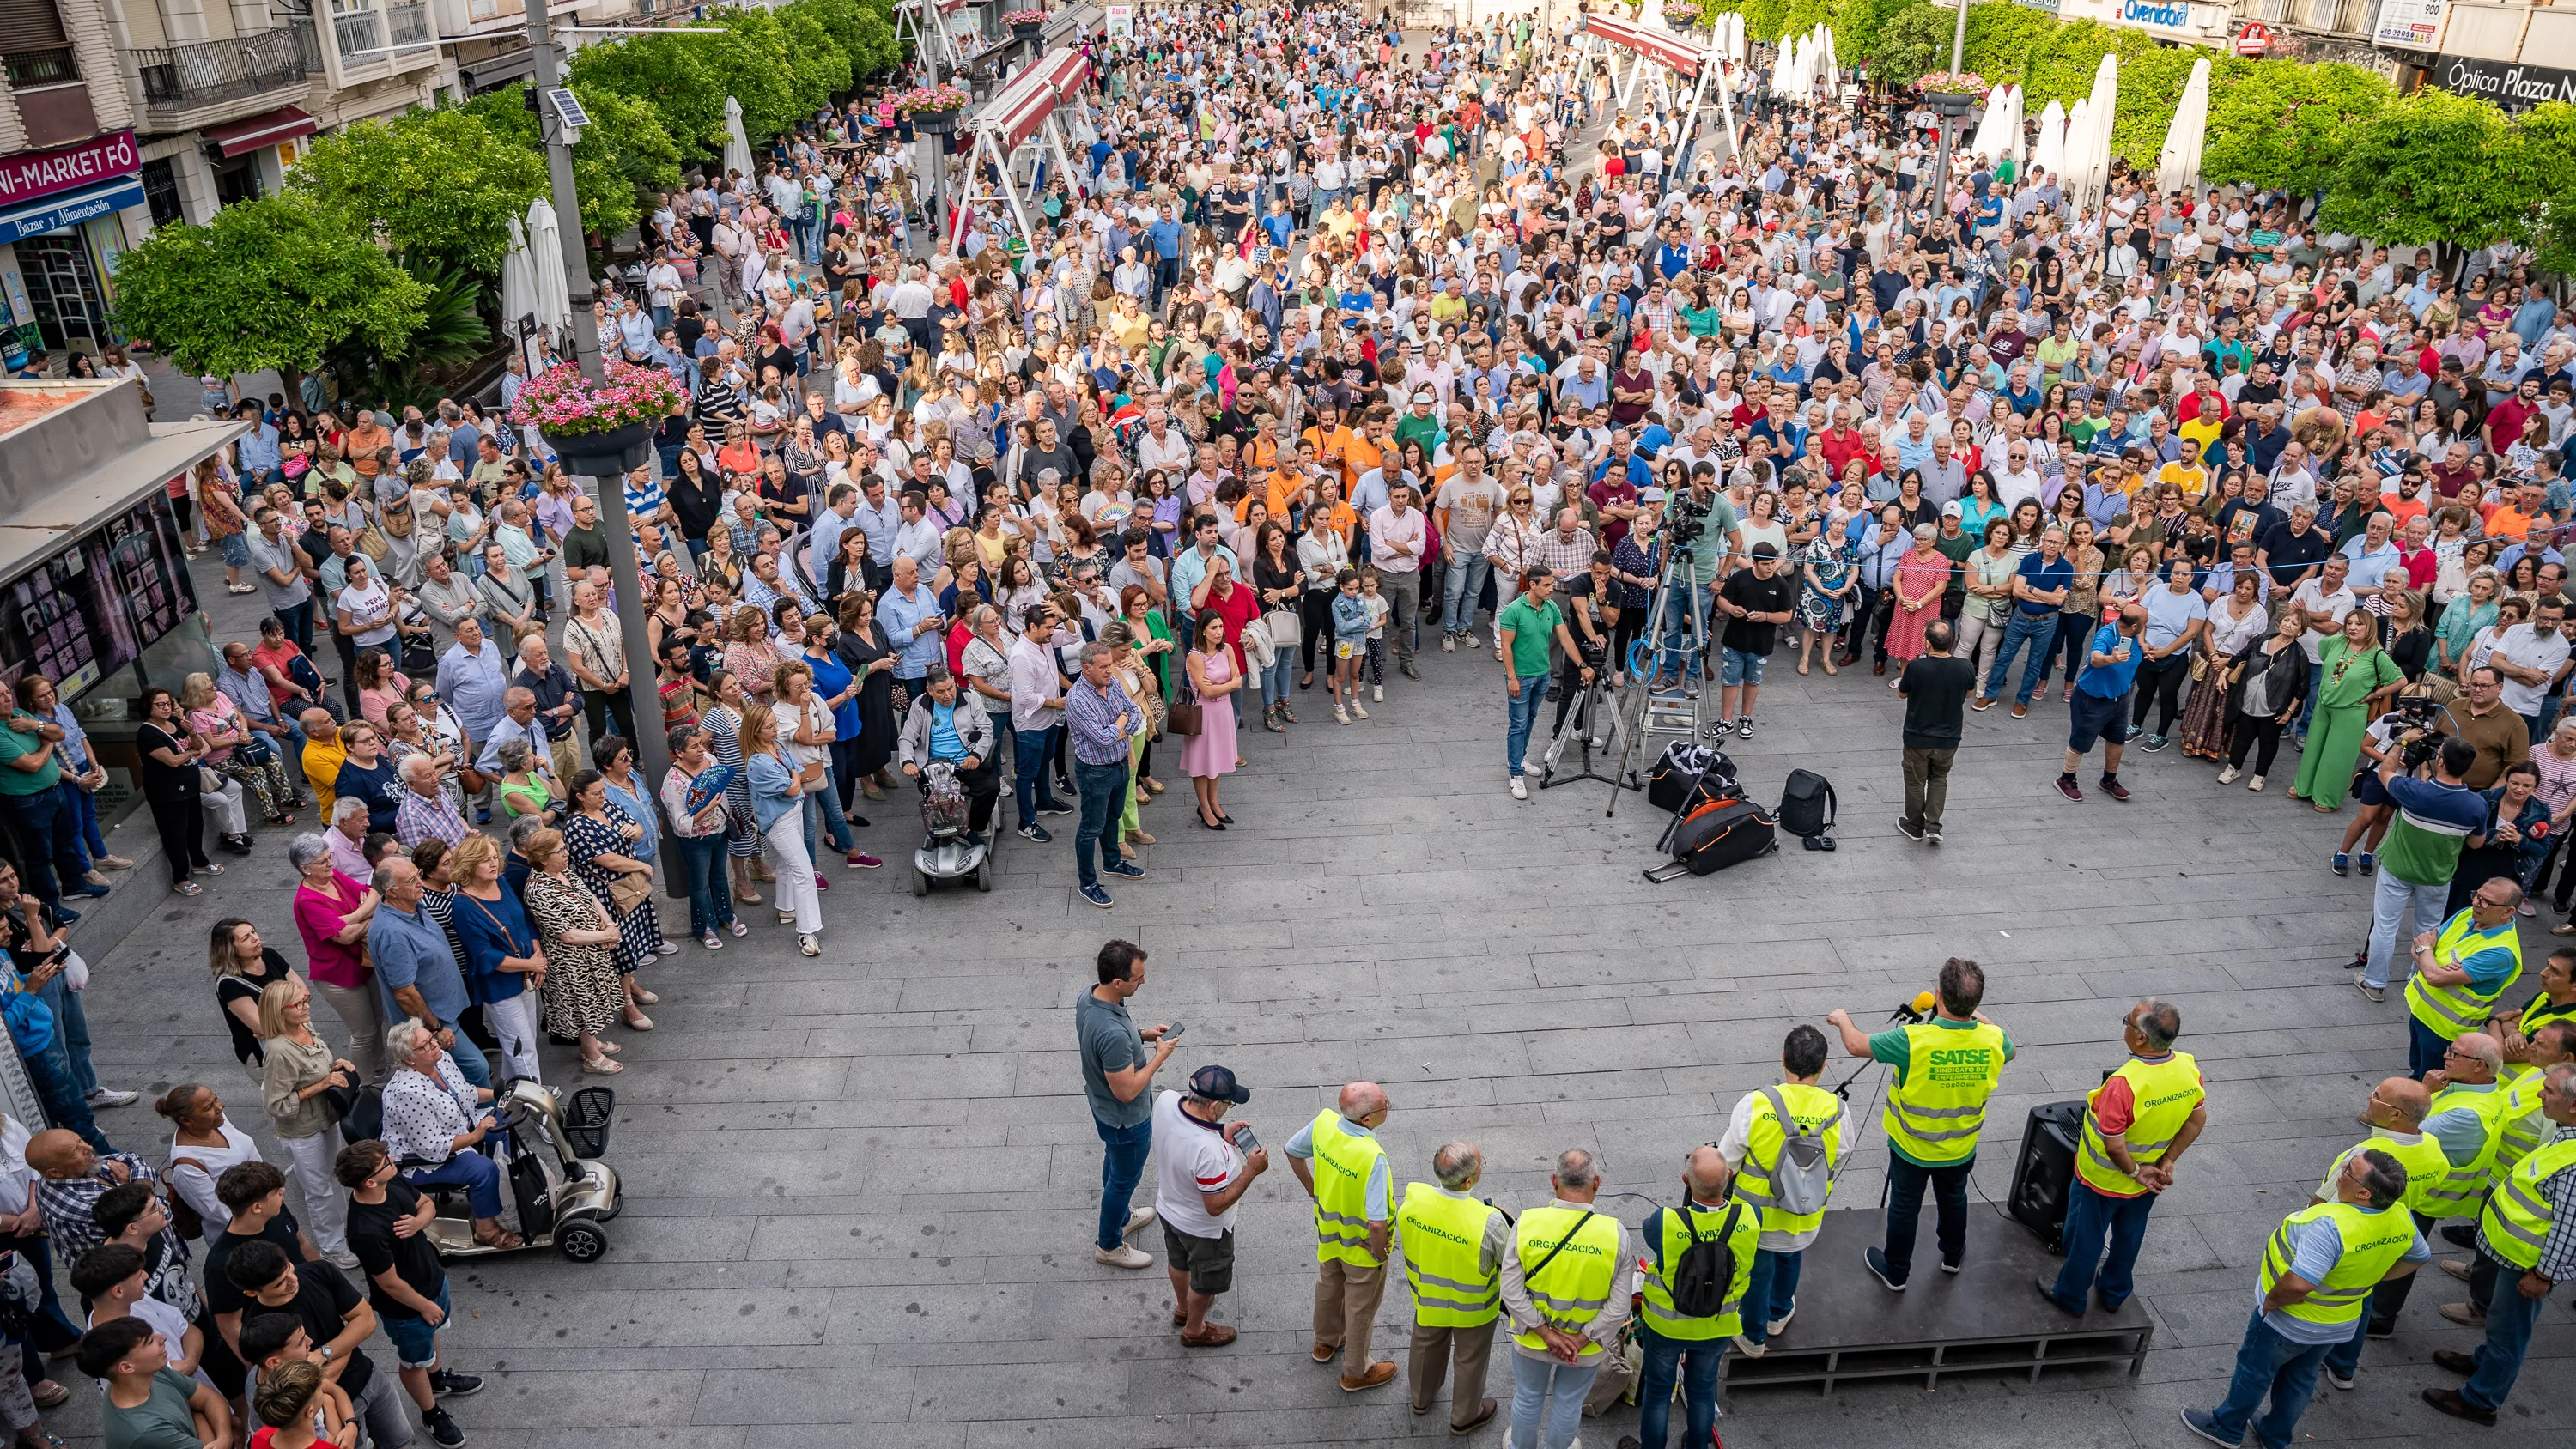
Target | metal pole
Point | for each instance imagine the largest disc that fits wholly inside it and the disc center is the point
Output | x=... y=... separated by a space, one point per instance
x=652 y=753
x=1959 y=39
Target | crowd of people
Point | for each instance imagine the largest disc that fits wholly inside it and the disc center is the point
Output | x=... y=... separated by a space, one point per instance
x=1337 y=350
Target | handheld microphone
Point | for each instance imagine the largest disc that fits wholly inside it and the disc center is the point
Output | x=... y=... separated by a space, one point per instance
x=1917 y=1010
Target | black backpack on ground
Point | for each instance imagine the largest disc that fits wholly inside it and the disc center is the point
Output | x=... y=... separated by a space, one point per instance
x=1706 y=1268
x=1807 y=809
x=1716 y=835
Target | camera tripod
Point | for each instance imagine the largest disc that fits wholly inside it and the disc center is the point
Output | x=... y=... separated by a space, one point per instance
x=1682 y=715
x=1593 y=723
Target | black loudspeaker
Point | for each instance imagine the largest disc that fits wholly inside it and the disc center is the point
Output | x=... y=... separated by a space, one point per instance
x=2044 y=1175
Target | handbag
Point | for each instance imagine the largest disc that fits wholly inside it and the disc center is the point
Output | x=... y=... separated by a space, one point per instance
x=1286 y=627
x=208 y=782
x=629 y=889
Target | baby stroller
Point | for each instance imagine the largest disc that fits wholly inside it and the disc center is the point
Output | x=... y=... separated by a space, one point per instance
x=946 y=853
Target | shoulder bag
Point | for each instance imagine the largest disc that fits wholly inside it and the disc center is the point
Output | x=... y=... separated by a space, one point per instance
x=1182 y=716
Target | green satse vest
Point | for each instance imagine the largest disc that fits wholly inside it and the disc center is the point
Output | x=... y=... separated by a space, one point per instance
x=1343 y=1162
x=2463 y=1185
x=2372 y=1244
x=2163 y=1096
x=1763 y=1142
x=1575 y=1286
x=2451 y=1010
x=1934 y=1115
x=2428 y=1171
x=1444 y=1240
x=1703 y=1224
x=2516 y=1221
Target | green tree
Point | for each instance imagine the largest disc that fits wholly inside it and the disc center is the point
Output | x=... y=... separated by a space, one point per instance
x=821 y=67
x=1858 y=24
x=753 y=58
x=419 y=369
x=623 y=153
x=2435 y=169
x=673 y=75
x=2549 y=134
x=1913 y=43
x=441 y=183
x=2281 y=125
x=271 y=283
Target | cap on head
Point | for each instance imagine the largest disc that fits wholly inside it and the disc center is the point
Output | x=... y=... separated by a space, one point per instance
x=1217 y=1084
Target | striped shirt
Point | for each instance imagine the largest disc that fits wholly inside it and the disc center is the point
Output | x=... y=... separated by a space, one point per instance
x=2558 y=1251
x=1093 y=715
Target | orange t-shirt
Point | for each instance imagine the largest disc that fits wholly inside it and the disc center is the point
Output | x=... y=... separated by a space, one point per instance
x=363 y=443
x=2505 y=521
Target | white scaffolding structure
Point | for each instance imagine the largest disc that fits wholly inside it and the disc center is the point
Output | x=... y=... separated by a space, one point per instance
x=1001 y=165
x=1683 y=55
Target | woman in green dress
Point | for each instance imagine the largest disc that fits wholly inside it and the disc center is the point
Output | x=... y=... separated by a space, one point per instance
x=2359 y=680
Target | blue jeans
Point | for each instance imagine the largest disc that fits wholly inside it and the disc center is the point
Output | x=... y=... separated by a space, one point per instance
x=46 y=852
x=1523 y=710
x=2038 y=631
x=2425 y=1048
x=1685 y=619
x=1030 y=751
x=415 y=1341
x=82 y=808
x=2267 y=1363
x=1458 y=592
x=2392 y=903
x=2091 y=1216
x=1279 y=678
x=1905 y=1184
x=1122 y=1166
x=1558 y=1388
x=2510 y=1318
x=701 y=860
x=1104 y=797
x=1691 y=1362
x=479 y=1175
x=470 y=1060
x=1771 y=1291
x=298 y=619
x=71 y=1031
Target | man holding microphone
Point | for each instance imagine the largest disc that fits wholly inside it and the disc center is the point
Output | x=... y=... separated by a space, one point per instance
x=1944 y=1070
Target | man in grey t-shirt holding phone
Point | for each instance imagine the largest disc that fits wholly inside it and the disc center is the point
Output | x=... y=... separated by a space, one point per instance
x=1117 y=1074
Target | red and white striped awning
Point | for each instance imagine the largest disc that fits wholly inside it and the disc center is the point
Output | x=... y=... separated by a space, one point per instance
x=1660 y=46
x=1023 y=106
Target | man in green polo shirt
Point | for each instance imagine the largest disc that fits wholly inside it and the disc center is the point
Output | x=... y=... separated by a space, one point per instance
x=41 y=827
x=1527 y=624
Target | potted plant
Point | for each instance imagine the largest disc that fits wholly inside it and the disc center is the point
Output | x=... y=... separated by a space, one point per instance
x=599 y=429
x=933 y=108
x=1025 y=24
x=1953 y=93
x=1684 y=18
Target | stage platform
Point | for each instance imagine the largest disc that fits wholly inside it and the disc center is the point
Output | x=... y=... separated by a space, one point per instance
x=1987 y=1318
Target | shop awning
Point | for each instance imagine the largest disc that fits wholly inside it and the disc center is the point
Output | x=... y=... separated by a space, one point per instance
x=69 y=208
x=286 y=123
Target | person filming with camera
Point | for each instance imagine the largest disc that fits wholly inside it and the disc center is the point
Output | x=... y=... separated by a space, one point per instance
x=2435 y=816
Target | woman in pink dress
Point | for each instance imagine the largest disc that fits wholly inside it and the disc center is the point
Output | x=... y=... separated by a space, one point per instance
x=1209 y=755
x=1920 y=579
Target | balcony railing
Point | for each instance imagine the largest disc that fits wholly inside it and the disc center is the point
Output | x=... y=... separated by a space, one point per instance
x=359 y=36
x=28 y=69
x=221 y=70
x=408 y=24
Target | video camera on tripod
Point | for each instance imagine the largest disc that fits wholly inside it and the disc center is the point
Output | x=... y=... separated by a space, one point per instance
x=1686 y=517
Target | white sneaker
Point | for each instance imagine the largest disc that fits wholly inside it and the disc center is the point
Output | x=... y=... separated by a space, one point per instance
x=1341 y=715
x=111 y=1097
x=1377 y=694
x=808 y=945
x=1520 y=788
x=1122 y=1256
x=1749 y=1348
x=1448 y=643
x=1138 y=1221
x=1467 y=637
x=342 y=1259
x=2255 y=784
x=1357 y=712
x=2227 y=776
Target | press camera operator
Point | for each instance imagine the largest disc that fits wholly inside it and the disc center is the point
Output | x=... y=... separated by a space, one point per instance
x=1594 y=618
x=2437 y=810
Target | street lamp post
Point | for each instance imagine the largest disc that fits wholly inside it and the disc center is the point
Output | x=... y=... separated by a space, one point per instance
x=652 y=753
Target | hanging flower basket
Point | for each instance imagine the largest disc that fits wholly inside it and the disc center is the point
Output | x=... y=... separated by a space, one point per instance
x=1025 y=24
x=1953 y=93
x=599 y=429
x=933 y=108
x=1683 y=18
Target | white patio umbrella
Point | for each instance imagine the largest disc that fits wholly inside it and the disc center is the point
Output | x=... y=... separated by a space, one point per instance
x=1731 y=38
x=518 y=278
x=737 y=152
x=1831 y=64
x=550 y=292
x=2178 y=165
x=2048 y=153
x=1981 y=142
x=2011 y=132
x=2103 y=110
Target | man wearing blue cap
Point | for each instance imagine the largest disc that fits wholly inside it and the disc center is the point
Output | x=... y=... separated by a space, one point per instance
x=1205 y=1166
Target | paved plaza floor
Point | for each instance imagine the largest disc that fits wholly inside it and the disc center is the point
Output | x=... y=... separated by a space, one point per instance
x=861 y=1187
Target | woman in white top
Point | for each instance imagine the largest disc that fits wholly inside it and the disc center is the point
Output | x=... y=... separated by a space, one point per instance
x=366 y=606
x=203 y=1144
